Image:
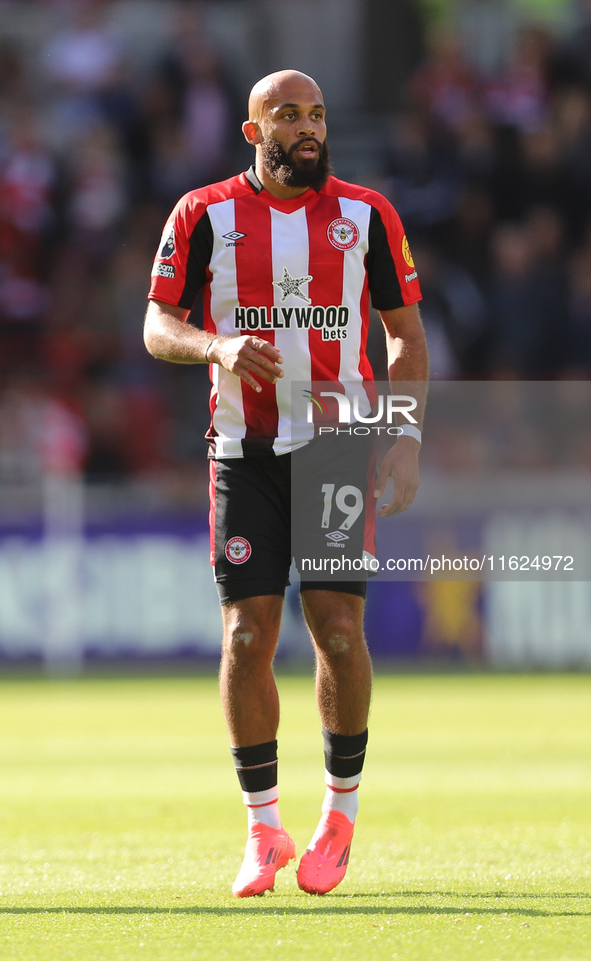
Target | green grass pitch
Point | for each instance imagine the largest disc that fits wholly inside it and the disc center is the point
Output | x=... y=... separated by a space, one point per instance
x=122 y=825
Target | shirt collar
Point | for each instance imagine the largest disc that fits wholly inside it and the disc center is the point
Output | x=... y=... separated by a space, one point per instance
x=253 y=180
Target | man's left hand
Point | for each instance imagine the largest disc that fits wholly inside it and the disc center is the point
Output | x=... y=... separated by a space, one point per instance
x=401 y=463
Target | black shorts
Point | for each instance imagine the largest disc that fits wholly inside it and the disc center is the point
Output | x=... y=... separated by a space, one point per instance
x=252 y=535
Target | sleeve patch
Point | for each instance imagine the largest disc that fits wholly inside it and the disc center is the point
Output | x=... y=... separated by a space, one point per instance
x=184 y=251
x=164 y=270
x=167 y=247
x=407 y=254
x=393 y=279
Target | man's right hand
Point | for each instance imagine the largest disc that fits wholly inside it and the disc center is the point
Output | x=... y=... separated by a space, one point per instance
x=248 y=357
x=168 y=336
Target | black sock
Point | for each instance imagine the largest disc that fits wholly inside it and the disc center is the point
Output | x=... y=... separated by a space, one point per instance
x=344 y=754
x=256 y=766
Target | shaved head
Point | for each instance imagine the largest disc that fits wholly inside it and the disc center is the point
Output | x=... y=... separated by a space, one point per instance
x=287 y=127
x=284 y=86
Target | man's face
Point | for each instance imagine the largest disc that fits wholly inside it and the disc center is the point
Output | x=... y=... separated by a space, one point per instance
x=293 y=126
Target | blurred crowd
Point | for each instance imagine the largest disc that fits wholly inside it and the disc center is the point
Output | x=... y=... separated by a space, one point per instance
x=491 y=174
x=490 y=171
x=93 y=156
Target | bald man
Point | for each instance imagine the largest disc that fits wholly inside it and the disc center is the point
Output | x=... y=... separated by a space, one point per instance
x=263 y=246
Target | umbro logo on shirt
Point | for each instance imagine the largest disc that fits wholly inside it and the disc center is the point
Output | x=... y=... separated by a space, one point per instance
x=234 y=237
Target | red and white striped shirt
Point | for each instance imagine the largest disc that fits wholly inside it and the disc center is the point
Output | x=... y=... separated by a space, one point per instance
x=298 y=273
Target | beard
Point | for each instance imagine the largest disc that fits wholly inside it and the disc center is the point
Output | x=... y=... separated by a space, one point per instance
x=290 y=170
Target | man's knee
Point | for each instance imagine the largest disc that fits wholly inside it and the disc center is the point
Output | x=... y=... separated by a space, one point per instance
x=340 y=636
x=335 y=621
x=242 y=638
x=247 y=636
x=238 y=637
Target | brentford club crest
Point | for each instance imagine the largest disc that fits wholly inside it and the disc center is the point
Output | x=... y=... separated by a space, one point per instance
x=238 y=550
x=343 y=234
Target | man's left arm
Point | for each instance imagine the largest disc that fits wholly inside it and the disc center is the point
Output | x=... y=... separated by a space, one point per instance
x=407 y=361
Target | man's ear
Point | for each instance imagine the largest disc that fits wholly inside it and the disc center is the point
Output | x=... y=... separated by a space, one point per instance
x=252 y=132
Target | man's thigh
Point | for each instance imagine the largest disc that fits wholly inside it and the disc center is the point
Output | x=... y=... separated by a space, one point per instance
x=250 y=526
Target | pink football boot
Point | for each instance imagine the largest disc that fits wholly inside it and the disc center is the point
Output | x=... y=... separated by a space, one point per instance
x=324 y=864
x=267 y=850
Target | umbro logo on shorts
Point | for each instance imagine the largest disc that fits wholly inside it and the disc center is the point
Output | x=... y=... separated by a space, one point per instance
x=336 y=539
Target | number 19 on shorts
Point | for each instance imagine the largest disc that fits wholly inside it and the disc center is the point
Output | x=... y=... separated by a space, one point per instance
x=348 y=500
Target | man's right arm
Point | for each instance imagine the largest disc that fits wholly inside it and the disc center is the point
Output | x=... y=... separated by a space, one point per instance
x=168 y=336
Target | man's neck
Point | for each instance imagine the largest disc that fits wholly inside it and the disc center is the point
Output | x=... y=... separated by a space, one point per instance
x=273 y=187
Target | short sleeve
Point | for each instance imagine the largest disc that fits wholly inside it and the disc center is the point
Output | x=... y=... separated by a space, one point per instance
x=180 y=265
x=392 y=276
